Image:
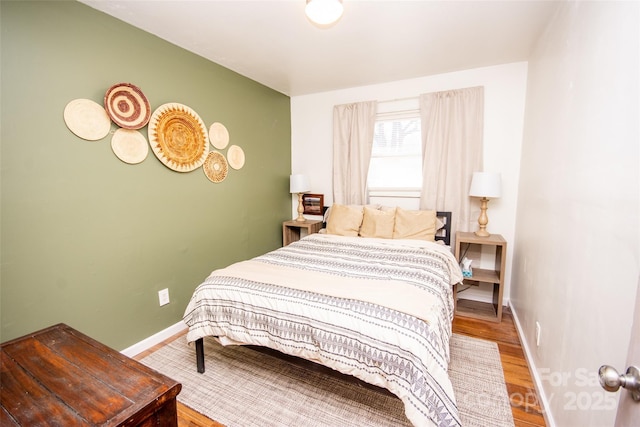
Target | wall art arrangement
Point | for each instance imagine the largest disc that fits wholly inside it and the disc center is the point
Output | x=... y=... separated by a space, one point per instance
x=176 y=134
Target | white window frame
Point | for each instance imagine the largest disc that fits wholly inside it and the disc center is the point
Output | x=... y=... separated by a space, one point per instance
x=399 y=196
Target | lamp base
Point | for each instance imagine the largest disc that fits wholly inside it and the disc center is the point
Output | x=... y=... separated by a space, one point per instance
x=483 y=220
x=300 y=218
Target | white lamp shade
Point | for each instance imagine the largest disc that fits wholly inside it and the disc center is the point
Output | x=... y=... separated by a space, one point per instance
x=299 y=183
x=486 y=184
x=324 y=12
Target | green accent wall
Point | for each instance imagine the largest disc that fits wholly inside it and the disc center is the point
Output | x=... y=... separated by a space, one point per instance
x=88 y=240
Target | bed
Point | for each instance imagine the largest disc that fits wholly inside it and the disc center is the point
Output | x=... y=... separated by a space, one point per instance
x=377 y=308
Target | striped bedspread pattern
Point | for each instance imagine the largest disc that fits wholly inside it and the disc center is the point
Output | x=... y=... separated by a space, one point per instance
x=384 y=346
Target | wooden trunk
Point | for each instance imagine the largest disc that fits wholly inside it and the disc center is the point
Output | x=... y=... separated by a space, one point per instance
x=59 y=376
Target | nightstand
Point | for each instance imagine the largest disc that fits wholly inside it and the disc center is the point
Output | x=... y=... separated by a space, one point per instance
x=292 y=229
x=471 y=246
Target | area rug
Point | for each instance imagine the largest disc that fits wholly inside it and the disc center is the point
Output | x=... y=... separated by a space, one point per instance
x=243 y=387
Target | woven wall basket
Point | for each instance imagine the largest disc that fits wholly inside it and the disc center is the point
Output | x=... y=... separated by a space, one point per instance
x=178 y=137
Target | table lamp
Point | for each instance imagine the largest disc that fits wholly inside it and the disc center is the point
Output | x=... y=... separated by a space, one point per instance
x=486 y=185
x=299 y=184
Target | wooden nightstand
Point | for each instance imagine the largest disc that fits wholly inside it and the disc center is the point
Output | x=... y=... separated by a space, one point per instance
x=291 y=230
x=470 y=245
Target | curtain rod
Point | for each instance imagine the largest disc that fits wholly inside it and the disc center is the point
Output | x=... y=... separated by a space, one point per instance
x=399 y=99
x=397 y=112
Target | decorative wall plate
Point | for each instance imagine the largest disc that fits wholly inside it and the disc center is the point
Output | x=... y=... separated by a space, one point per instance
x=219 y=136
x=178 y=137
x=87 y=119
x=235 y=155
x=130 y=146
x=215 y=167
x=127 y=106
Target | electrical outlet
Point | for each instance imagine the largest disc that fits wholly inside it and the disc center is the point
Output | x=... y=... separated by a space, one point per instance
x=163 y=296
x=538 y=332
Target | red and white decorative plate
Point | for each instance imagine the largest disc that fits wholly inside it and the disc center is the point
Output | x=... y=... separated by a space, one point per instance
x=127 y=106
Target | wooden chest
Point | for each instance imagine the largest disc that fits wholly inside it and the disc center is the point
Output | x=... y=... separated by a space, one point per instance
x=60 y=377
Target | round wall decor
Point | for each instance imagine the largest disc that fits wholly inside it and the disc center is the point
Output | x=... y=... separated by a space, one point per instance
x=178 y=137
x=219 y=135
x=130 y=146
x=87 y=119
x=235 y=154
x=127 y=106
x=215 y=167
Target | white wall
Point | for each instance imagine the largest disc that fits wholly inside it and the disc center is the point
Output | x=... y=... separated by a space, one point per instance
x=505 y=86
x=578 y=233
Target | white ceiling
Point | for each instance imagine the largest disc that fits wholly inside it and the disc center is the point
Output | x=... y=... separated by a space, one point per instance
x=273 y=43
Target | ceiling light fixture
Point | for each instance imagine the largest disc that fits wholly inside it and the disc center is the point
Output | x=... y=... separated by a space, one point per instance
x=324 y=12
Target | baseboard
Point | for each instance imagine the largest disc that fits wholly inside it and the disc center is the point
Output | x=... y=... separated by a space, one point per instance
x=155 y=339
x=544 y=401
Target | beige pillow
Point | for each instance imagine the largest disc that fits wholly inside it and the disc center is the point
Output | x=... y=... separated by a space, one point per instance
x=387 y=208
x=415 y=225
x=327 y=213
x=344 y=220
x=378 y=223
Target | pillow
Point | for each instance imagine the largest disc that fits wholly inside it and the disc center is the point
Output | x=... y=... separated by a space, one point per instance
x=387 y=208
x=344 y=220
x=378 y=223
x=327 y=213
x=415 y=225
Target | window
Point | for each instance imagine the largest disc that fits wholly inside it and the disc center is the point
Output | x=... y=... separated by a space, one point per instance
x=396 y=157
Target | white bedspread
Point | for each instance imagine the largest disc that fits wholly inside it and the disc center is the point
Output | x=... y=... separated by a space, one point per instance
x=377 y=309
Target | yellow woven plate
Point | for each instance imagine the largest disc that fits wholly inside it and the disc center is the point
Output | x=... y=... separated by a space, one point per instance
x=178 y=137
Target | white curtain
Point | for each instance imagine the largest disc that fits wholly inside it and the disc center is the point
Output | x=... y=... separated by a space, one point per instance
x=353 y=128
x=452 y=129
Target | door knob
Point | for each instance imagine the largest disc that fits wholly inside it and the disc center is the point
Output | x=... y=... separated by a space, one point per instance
x=611 y=380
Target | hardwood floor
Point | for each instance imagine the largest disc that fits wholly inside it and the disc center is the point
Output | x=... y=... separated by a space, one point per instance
x=524 y=399
x=525 y=405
